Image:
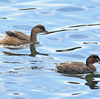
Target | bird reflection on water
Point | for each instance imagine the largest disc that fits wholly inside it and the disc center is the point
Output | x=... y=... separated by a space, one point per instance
x=91 y=82
x=90 y=79
x=32 y=50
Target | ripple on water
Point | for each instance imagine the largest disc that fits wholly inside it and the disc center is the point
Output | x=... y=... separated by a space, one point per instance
x=27 y=9
x=7 y=1
x=92 y=7
x=53 y=39
x=72 y=55
x=78 y=36
x=11 y=83
x=70 y=91
x=74 y=88
x=38 y=87
x=58 y=90
x=23 y=27
x=18 y=98
x=3 y=18
x=45 y=13
x=70 y=9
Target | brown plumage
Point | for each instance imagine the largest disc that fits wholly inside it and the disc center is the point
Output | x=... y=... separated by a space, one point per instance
x=18 y=38
x=78 y=67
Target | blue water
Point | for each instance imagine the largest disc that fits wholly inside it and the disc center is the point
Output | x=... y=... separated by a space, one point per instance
x=28 y=72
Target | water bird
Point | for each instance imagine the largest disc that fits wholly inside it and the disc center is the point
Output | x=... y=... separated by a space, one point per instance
x=75 y=67
x=18 y=38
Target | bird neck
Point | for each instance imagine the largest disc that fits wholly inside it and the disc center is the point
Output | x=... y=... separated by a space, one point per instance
x=89 y=63
x=92 y=67
x=33 y=36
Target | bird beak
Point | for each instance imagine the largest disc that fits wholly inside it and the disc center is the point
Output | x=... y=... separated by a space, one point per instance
x=46 y=32
x=98 y=60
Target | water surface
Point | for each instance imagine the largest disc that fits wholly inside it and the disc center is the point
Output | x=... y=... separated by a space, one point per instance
x=28 y=72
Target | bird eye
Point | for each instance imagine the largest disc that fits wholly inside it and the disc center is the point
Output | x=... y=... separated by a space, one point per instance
x=41 y=29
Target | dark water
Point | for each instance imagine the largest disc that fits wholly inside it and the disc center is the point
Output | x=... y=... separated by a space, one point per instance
x=28 y=72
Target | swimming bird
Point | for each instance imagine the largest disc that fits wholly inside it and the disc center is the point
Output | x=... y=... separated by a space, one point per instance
x=17 y=38
x=75 y=67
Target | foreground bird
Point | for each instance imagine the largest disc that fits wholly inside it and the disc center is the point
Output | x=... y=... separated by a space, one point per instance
x=78 y=67
x=18 y=38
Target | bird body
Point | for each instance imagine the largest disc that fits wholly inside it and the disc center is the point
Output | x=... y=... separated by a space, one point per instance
x=15 y=38
x=73 y=67
x=18 y=38
x=78 y=67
